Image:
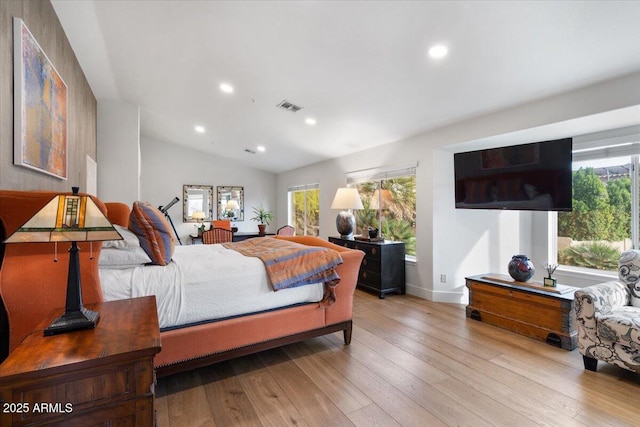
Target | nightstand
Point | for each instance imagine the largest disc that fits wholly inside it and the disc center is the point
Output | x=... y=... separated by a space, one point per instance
x=382 y=269
x=101 y=376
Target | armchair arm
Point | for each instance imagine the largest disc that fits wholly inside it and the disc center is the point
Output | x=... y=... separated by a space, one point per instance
x=597 y=300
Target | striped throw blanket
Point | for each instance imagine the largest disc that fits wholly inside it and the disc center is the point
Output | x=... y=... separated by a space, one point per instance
x=291 y=264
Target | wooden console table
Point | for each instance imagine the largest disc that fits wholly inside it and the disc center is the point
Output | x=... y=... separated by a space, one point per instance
x=530 y=309
x=101 y=376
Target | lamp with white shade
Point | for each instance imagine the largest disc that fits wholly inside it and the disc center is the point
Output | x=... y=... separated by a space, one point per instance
x=346 y=199
x=230 y=208
x=199 y=216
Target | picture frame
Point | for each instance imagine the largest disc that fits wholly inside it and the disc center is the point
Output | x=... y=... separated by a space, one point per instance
x=40 y=108
x=230 y=203
x=197 y=198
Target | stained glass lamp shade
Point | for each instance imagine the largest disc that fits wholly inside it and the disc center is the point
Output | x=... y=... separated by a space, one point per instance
x=69 y=218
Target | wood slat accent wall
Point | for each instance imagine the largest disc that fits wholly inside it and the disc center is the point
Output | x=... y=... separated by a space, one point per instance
x=42 y=21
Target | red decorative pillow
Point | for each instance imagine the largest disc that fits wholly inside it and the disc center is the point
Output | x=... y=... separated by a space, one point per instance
x=153 y=231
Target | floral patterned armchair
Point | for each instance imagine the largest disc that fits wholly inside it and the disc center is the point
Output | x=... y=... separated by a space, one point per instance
x=608 y=318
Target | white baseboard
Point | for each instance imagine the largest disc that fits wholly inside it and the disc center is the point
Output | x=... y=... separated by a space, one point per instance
x=438 y=296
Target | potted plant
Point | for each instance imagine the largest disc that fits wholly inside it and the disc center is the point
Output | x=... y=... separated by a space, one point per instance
x=263 y=217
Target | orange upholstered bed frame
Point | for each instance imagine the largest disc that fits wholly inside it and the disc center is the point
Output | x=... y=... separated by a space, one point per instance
x=32 y=285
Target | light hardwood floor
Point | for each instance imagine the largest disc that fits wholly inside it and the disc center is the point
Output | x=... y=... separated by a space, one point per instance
x=411 y=363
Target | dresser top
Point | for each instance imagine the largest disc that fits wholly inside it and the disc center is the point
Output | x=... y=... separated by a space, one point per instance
x=126 y=329
x=369 y=242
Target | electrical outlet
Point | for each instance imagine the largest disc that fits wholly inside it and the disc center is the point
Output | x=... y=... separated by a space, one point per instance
x=443 y=278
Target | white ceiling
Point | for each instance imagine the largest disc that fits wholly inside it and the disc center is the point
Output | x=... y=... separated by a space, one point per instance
x=359 y=68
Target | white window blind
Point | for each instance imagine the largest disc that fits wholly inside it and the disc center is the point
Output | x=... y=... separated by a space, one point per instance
x=383 y=172
x=621 y=150
x=304 y=187
x=613 y=143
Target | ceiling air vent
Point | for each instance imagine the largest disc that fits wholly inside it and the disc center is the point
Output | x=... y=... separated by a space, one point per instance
x=289 y=106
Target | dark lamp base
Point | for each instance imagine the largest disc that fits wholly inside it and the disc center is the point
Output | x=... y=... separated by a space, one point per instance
x=73 y=321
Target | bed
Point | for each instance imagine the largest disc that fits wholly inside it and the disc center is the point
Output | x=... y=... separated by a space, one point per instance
x=202 y=282
x=196 y=330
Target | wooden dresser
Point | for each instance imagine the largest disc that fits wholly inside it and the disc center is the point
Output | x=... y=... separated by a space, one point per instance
x=94 y=377
x=382 y=269
x=528 y=308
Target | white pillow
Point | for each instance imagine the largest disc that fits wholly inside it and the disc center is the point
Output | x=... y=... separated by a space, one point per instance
x=129 y=240
x=123 y=258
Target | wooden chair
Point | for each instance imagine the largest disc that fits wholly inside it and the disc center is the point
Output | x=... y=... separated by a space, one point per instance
x=217 y=235
x=286 y=230
x=221 y=223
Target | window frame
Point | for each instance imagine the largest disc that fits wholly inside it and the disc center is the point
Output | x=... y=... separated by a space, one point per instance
x=609 y=144
x=291 y=210
x=380 y=174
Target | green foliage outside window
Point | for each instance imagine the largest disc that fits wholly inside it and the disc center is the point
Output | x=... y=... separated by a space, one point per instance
x=306 y=212
x=398 y=209
x=596 y=255
x=601 y=212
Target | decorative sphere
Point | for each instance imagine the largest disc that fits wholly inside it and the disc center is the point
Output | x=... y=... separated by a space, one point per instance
x=521 y=268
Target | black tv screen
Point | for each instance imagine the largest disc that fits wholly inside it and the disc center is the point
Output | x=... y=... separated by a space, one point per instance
x=534 y=177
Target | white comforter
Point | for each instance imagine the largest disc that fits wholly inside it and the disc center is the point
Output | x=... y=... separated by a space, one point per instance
x=204 y=282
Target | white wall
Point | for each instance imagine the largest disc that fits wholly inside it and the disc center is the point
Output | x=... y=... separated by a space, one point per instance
x=452 y=242
x=459 y=243
x=118 y=150
x=132 y=168
x=167 y=167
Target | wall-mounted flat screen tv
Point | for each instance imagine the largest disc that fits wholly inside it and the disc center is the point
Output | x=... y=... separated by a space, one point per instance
x=535 y=177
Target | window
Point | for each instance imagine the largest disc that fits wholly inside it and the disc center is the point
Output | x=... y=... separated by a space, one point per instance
x=604 y=220
x=389 y=199
x=304 y=209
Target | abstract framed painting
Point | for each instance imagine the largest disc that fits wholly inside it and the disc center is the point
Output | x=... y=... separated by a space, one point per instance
x=40 y=107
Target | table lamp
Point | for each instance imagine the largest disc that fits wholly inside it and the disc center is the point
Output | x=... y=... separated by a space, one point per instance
x=68 y=218
x=346 y=199
x=232 y=205
x=198 y=216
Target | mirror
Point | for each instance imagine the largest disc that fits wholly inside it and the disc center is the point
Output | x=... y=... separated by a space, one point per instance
x=197 y=198
x=231 y=203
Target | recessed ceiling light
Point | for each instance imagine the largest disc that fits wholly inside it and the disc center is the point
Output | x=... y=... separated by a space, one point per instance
x=226 y=87
x=199 y=129
x=438 y=51
x=310 y=121
x=261 y=148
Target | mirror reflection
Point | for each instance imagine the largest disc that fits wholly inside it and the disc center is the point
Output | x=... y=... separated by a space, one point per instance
x=231 y=203
x=197 y=203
